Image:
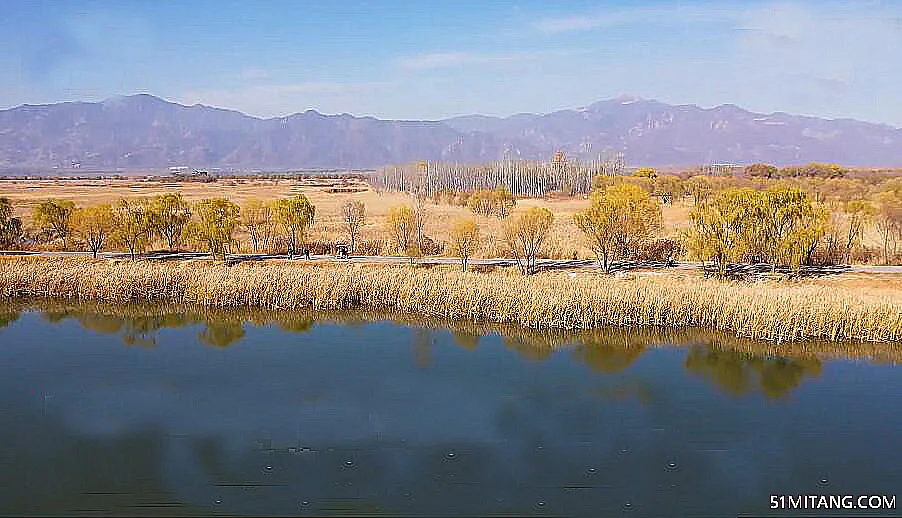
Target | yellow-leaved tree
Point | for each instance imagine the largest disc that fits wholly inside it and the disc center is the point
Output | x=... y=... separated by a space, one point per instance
x=400 y=224
x=131 y=225
x=619 y=219
x=94 y=225
x=53 y=218
x=779 y=226
x=296 y=215
x=10 y=226
x=646 y=172
x=168 y=214
x=214 y=222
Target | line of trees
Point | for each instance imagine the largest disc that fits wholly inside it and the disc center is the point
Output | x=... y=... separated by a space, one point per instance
x=520 y=177
x=786 y=223
x=134 y=223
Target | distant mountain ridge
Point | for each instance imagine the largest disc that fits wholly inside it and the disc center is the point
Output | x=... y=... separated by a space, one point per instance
x=143 y=131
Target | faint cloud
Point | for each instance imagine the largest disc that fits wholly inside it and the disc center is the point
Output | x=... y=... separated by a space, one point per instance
x=673 y=14
x=439 y=60
x=62 y=45
x=255 y=74
x=831 y=47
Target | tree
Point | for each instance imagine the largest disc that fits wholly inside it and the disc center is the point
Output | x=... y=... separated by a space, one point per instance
x=464 y=239
x=257 y=219
x=777 y=215
x=777 y=226
x=131 y=225
x=859 y=213
x=94 y=225
x=400 y=225
x=761 y=170
x=419 y=223
x=295 y=214
x=53 y=217
x=215 y=221
x=504 y=202
x=719 y=229
x=646 y=172
x=814 y=169
x=889 y=221
x=790 y=226
x=354 y=215
x=492 y=202
x=667 y=188
x=481 y=202
x=619 y=219
x=168 y=214
x=10 y=226
x=700 y=188
x=525 y=234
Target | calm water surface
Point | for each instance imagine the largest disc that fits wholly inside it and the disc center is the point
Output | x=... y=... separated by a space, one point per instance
x=162 y=415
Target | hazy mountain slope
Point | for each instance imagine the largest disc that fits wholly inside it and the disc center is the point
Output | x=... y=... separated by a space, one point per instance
x=143 y=131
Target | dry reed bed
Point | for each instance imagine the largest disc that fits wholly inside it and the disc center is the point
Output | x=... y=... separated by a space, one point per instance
x=534 y=343
x=771 y=311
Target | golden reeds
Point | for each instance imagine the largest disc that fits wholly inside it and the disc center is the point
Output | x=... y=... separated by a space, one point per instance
x=138 y=323
x=771 y=311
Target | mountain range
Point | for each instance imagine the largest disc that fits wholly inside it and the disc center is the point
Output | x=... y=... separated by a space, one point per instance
x=142 y=131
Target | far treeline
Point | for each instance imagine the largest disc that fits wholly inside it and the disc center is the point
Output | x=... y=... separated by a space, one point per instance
x=808 y=215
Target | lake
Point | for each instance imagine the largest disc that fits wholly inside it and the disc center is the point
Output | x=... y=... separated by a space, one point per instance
x=152 y=411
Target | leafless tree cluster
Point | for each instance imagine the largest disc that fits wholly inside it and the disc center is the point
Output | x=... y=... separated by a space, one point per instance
x=522 y=178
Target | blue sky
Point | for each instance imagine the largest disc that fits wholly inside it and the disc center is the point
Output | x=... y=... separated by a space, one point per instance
x=434 y=59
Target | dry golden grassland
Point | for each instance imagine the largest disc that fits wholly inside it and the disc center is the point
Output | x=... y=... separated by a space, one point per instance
x=564 y=240
x=778 y=311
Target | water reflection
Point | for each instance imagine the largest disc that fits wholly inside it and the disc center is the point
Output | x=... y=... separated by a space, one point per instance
x=608 y=358
x=736 y=371
x=219 y=333
x=8 y=316
x=740 y=373
x=331 y=413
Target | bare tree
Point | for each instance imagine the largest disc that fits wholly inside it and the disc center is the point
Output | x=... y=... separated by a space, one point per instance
x=464 y=239
x=525 y=234
x=354 y=213
x=419 y=220
x=258 y=219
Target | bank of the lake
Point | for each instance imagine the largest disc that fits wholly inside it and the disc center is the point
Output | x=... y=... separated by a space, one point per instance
x=553 y=300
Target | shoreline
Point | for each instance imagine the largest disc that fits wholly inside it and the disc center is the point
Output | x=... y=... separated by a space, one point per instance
x=141 y=320
x=761 y=310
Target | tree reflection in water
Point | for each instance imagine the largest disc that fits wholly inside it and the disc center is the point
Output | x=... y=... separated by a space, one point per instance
x=736 y=365
x=608 y=358
x=8 y=316
x=740 y=373
x=422 y=348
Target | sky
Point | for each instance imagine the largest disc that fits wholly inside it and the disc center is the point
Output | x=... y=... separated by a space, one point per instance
x=424 y=59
